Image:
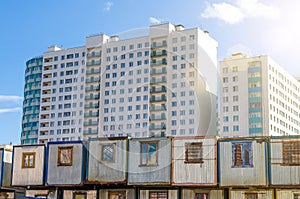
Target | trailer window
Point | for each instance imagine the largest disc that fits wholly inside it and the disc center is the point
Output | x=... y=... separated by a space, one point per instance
x=28 y=160
x=296 y=196
x=251 y=196
x=117 y=195
x=65 y=156
x=242 y=154
x=201 y=196
x=149 y=153
x=158 y=195
x=193 y=152
x=291 y=153
x=108 y=152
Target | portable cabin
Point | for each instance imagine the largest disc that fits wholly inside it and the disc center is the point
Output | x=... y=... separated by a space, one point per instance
x=251 y=194
x=66 y=163
x=194 y=161
x=191 y=193
x=28 y=165
x=287 y=193
x=243 y=162
x=107 y=161
x=5 y=166
x=284 y=161
x=149 y=161
x=117 y=193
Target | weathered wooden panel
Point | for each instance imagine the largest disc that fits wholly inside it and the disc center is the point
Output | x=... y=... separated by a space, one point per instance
x=231 y=175
x=130 y=193
x=65 y=167
x=195 y=173
x=286 y=193
x=282 y=174
x=172 y=194
x=28 y=176
x=212 y=193
x=70 y=194
x=102 y=170
x=159 y=173
x=261 y=194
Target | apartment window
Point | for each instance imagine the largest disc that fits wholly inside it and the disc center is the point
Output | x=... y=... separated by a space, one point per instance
x=235 y=98
x=235 y=108
x=225 y=79
x=236 y=128
x=108 y=153
x=235 y=88
x=225 y=119
x=149 y=153
x=158 y=195
x=225 y=99
x=235 y=118
x=201 y=196
x=235 y=78
x=251 y=196
x=242 y=155
x=235 y=69
x=225 y=129
x=28 y=160
x=193 y=152
x=65 y=156
x=117 y=195
x=291 y=153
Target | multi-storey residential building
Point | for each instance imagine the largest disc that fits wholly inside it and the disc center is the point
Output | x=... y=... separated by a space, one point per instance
x=31 y=103
x=162 y=83
x=62 y=94
x=257 y=97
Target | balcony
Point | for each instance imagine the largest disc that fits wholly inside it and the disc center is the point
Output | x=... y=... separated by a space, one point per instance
x=158 y=89
x=254 y=79
x=93 y=54
x=158 y=99
x=93 y=71
x=157 y=127
x=92 y=97
x=90 y=132
x=92 y=114
x=91 y=80
x=92 y=123
x=158 y=81
x=158 y=108
x=159 y=72
x=157 y=117
x=93 y=63
x=95 y=105
x=254 y=69
x=255 y=99
x=159 y=63
x=96 y=88
x=159 y=54
x=254 y=89
x=159 y=44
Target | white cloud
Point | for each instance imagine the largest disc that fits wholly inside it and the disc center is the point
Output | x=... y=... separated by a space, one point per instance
x=9 y=110
x=239 y=10
x=154 y=20
x=108 y=5
x=11 y=98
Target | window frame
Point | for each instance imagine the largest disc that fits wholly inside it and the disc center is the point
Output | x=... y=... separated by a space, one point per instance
x=242 y=155
x=193 y=147
x=76 y=193
x=112 y=193
x=147 y=153
x=28 y=154
x=60 y=161
x=157 y=194
x=113 y=152
x=253 y=194
x=288 y=161
x=200 y=195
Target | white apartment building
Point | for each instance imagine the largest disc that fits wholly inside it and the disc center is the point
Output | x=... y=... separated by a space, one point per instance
x=160 y=84
x=62 y=94
x=257 y=98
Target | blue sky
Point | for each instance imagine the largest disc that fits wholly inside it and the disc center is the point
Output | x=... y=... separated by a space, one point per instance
x=269 y=27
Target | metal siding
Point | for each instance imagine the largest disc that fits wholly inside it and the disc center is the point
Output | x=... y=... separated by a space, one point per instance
x=30 y=176
x=65 y=175
x=255 y=175
x=194 y=173
x=130 y=193
x=282 y=175
x=105 y=171
x=190 y=193
x=138 y=175
x=262 y=194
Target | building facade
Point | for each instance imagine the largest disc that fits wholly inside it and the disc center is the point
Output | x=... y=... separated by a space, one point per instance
x=163 y=83
x=31 y=102
x=257 y=98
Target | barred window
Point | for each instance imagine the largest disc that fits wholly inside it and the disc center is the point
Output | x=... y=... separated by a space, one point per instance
x=251 y=196
x=291 y=153
x=108 y=152
x=193 y=152
x=201 y=196
x=158 y=195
